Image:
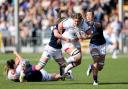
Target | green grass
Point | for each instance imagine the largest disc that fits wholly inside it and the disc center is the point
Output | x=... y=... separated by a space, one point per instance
x=113 y=76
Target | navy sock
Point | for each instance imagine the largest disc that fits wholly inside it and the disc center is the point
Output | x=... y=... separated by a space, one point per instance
x=61 y=71
x=95 y=78
x=91 y=66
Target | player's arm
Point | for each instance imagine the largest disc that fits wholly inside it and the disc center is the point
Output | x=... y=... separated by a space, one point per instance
x=18 y=57
x=57 y=33
x=93 y=23
x=88 y=33
x=97 y=24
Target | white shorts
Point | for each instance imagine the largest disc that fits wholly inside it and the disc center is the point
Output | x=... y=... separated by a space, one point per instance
x=45 y=75
x=52 y=52
x=67 y=45
x=100 y=48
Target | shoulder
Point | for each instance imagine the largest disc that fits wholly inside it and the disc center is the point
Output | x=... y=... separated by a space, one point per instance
x=11 y=74
x=84 y=23
x=66 y=23
x=98 y=24
x=54 y=27
x=67 y=20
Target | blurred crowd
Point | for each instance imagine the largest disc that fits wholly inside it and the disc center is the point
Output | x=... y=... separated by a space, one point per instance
x=36 y=16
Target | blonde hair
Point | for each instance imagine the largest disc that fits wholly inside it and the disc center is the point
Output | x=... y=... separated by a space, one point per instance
x=77 y=16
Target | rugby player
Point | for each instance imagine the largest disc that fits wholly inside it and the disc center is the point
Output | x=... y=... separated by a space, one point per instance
x=53 y=49
x=71 y=28
x=97 y=46
x=15 y=68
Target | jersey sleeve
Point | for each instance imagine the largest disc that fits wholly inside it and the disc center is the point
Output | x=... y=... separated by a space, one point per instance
x=54 y=27
x=67 y=23
x=85 y=26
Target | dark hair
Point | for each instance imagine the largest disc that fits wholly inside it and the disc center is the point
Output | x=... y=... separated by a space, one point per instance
x=77 y=16
x=125 y=18
x=90 y=10
x=10 y=64
x=60 y=18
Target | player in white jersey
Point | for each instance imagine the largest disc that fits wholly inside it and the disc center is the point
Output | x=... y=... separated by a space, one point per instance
x=72 y=28
x=15 y=68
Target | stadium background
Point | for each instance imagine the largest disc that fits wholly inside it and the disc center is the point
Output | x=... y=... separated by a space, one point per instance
x=36 y=17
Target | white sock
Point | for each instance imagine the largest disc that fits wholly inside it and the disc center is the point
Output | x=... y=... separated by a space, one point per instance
x=70 y=59
x=70 y=71
x=114 y=53
x=68 y=67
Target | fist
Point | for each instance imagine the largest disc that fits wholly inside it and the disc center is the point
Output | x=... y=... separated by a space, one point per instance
x=89 y=32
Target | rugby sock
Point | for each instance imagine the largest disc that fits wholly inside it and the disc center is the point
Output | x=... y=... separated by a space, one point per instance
x=114 y=54
x=61 y=71
x=95 y=78
x=91 y=68
x=68 y=67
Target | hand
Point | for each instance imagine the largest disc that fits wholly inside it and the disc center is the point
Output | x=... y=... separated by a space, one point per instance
x=90 y=23
x=68 y=40
x=59 y=41
x=14 y=52
x=65 y=39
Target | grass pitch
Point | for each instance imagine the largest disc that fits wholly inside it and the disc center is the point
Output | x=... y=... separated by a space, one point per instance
x=113 y=76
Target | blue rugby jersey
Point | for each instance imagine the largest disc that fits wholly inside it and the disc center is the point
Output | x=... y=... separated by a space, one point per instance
x=97 y=38
x=53 y=41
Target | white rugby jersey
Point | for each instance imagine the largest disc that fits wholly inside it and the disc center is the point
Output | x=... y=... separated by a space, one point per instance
x=15 y=74
x=11 y=74
x=69 y=23
x=72 y=32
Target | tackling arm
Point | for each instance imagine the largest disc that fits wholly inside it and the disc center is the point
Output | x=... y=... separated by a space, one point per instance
x=18 y=58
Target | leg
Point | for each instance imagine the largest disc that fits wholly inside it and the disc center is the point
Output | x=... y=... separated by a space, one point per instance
x=95 y=56
x=89 y=70
x=55 y=76
x=101 y=62
x=74 y=63
x=50 y=76
x=44 y=58
x=74 y=59
x=62 y=64
x=41 y=63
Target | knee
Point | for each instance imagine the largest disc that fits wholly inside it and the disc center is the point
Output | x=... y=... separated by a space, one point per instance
x=100 y=67
x=61 y=63
x=78 y=63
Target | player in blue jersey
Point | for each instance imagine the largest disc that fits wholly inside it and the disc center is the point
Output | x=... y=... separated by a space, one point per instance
x=53 y=49
x=97 y=46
